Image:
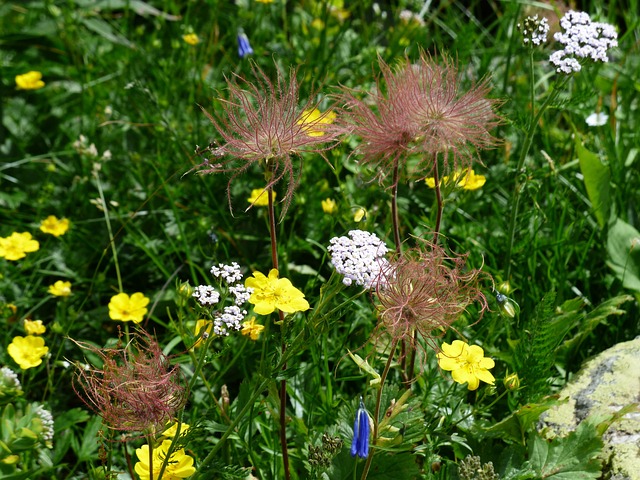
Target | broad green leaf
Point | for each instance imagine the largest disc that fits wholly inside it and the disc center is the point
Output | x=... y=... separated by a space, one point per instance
x=596 y=180
x=105 y=30
x=623 y=247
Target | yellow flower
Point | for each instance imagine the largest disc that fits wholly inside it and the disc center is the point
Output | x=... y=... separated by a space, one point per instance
x=252 y=329
x=60 y=289
x=271 y=293
x=179 y=465
x=17 y=245
x=29 y=81
x=34 y=327
x=329 y=206
x=202 y=331
x=315 y=117
x=128 y=308
x=27 y=351
x=55 y=227
x=466 y=179
x=191 y=38
x=171 y=431
x=467 y=364
x=361 y=214
x=264 y=1
x=259 y=198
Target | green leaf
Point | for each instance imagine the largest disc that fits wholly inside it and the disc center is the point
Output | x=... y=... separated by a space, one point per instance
x=573 y=457
x=596 y=180
x=623 y=247
x=105 y=30
x=89 y=447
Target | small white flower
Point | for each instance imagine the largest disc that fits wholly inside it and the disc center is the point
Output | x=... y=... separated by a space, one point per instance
x=597 y=119
x=359 y=257
x=534 y=30
x=228 y=273
x=206 y=295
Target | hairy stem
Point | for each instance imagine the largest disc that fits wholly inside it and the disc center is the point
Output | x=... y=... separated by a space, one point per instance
x=394 y=206
x=283 y=382
x=376 y=413
x=439 y=202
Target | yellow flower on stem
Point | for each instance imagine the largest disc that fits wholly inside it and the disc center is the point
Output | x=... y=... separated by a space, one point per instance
x=29 y=81
x=17 y=245
x=171 y=431
x=60 y=289
x=128 y=308
x=467 y=364
x=329 y=205
x=54 y=226
x=34 y=327
x=361 y=214
x=259 y=197
x=465 y=179
x=191 y=39
x=318 y=121
x=252 y=329
x=179 y=464
x=271 y=293
x=27 y=351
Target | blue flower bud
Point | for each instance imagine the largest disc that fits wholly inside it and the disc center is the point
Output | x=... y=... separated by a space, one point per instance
x=244 y=47
x=360 y=444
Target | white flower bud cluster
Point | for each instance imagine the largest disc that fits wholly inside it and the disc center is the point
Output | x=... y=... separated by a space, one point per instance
x=534 y=30
x=9 y=381
x=227 y=273
x=47 y=424
x=359 y=257
x=206 y=295
x=230 y=319
x=582 y=39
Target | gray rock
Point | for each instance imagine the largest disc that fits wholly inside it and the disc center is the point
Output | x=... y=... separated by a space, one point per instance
x=606 y=384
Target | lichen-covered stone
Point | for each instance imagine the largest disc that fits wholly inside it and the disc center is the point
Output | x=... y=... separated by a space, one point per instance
x=606 y=384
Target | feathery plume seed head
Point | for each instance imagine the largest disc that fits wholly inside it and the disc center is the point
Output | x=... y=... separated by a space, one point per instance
x=137 y=389
x=420 y=108
x=263 y=122
x=425 y=290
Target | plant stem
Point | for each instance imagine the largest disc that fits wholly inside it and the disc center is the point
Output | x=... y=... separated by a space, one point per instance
x=283 y=382
x=439 y=202
x=376 y=413
x=394 y=206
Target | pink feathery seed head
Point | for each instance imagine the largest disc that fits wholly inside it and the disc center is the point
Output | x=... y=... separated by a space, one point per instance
x=425 y=290
x=265 y=123
x=419 y=109
x=137 y=389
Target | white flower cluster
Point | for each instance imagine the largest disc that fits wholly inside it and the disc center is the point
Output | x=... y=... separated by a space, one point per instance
x=206 y=295
x=228 y=273
x=230 y=319
x=9 y=382
x=359 y=257
x=582 y=38
x=231 y=316
x=47 y=424
x=534 y=30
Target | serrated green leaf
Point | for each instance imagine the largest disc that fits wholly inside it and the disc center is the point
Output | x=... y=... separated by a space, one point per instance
x=597 y=181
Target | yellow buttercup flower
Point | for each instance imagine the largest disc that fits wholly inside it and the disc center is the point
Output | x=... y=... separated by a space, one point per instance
x=191 y=38
x=17 y=245
x=27 y=351
x=60 y=289
x=271 y=293
x=467 y=364
x=202 y=331
x=315 y=118
x=465 y=179
x=329 y=206
x=259 y=197
x=29 y=81
x=128 y=308
x=179 y=465
x=54 y=226
x=252 y=329
x=171 y=431
x=34 y=327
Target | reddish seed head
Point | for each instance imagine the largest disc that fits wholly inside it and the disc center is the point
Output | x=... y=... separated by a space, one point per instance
x=264 y=123
x=137 y=388
x=419 y=109
x=424 y=290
